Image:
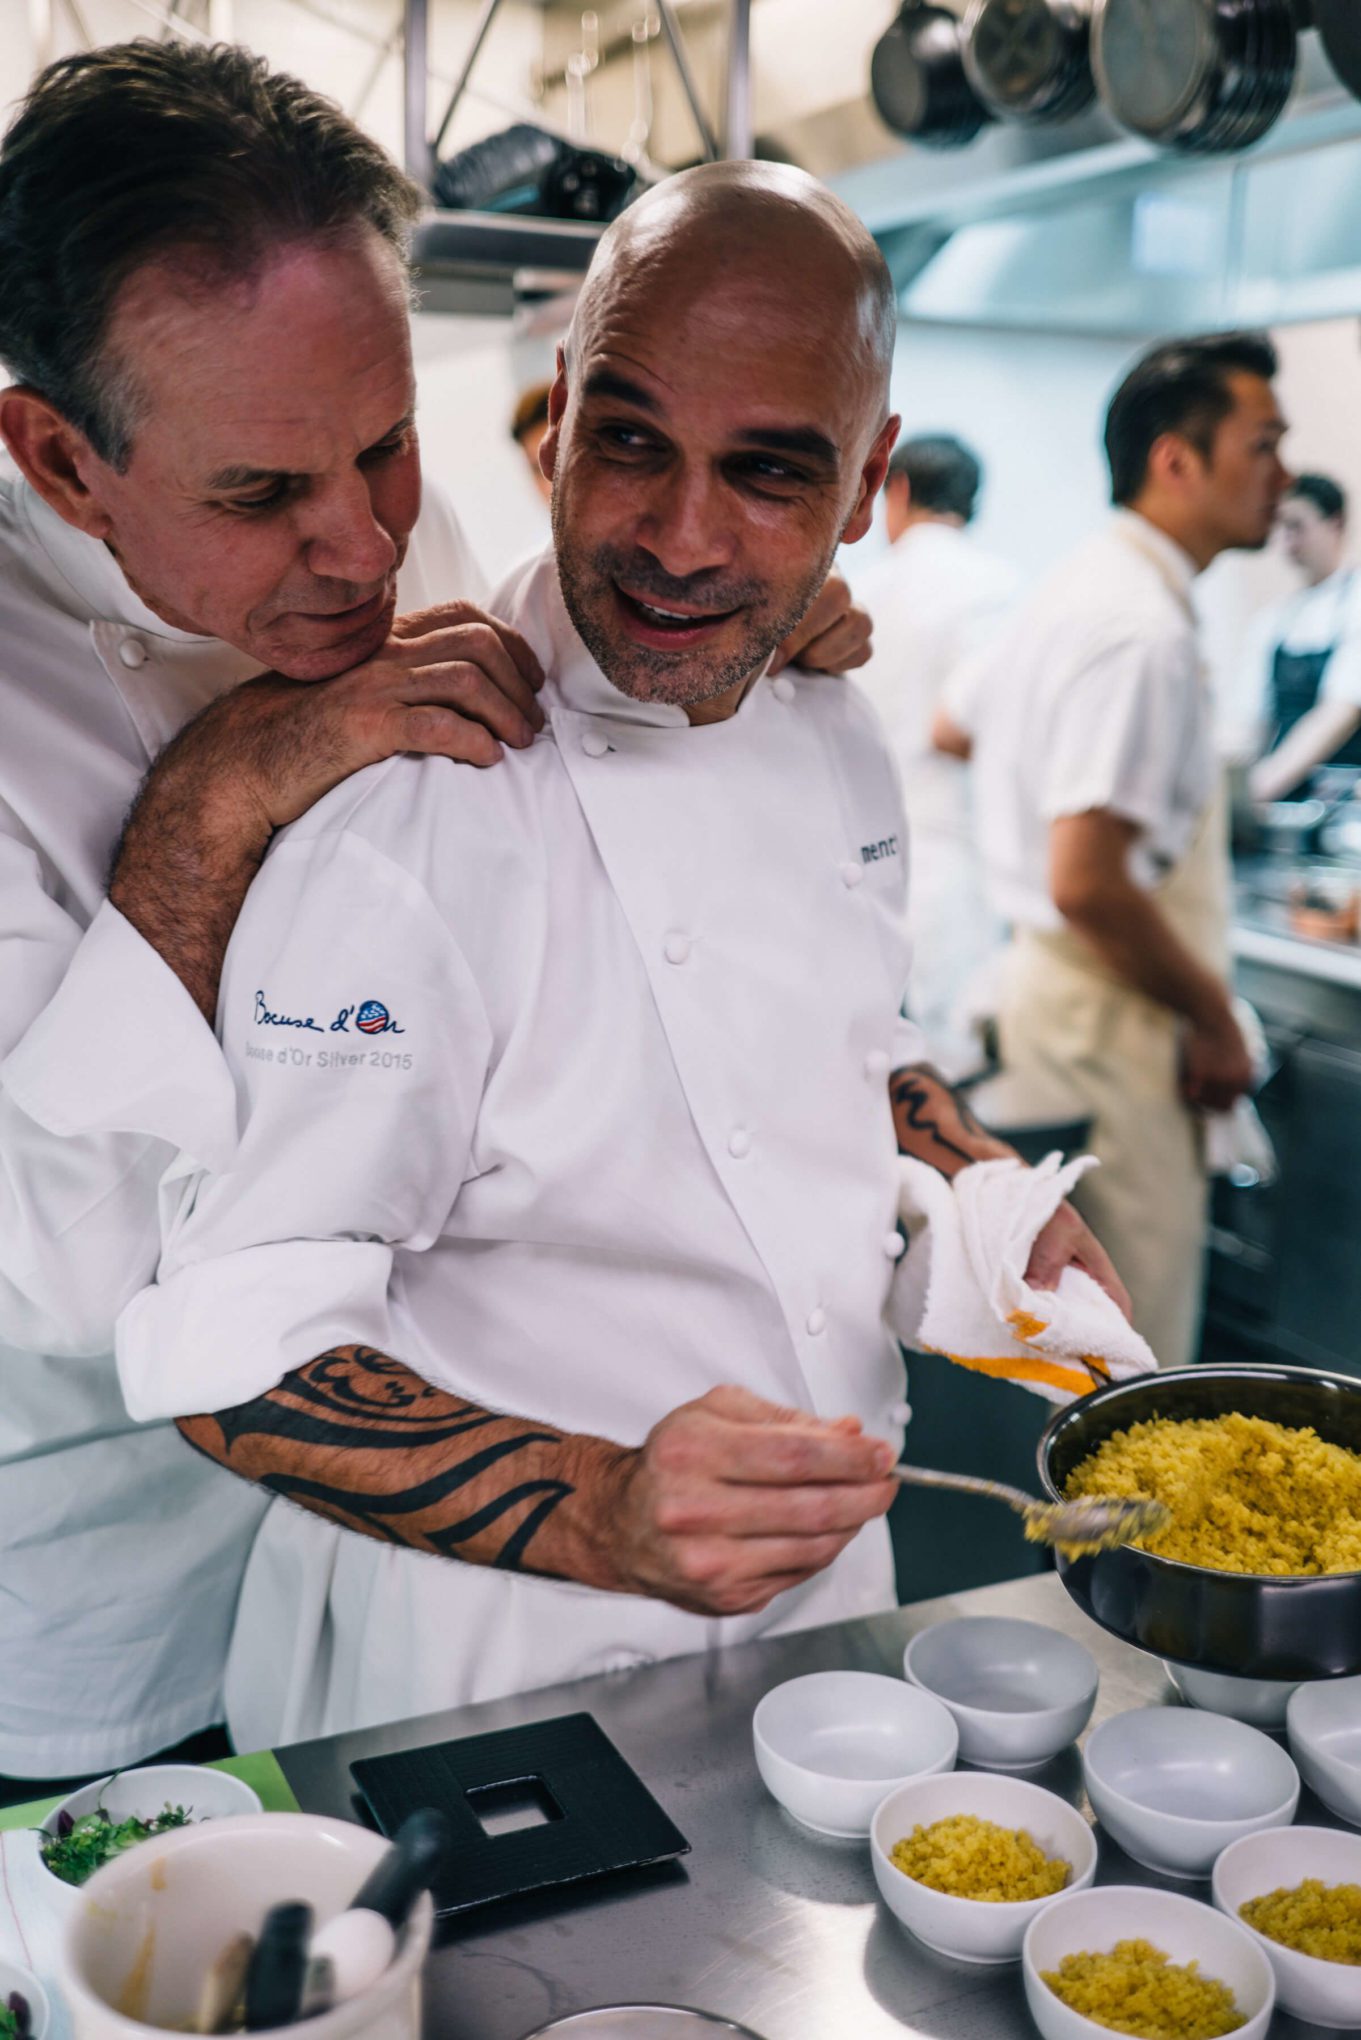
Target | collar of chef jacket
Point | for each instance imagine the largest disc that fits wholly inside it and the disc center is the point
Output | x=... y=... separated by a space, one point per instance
x=163 y=675
x=1174 y=565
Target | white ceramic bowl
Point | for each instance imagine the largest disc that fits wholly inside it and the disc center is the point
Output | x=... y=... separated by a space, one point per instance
x=13 y=1976
x=1326 y=1993
x=1093 y=1921
x=204 y=1794
x=1020 y=1692
x=1174 y=1786
x=151 y=1922
x=830 y=1745
x=1323 y=1721
x=1259 y=1702
x=975 y=1929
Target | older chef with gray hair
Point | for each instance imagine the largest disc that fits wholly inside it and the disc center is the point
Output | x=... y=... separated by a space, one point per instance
x=561 y=1225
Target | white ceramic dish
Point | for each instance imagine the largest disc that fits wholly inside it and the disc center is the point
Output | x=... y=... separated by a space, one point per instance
x=1174 y=1786
x=1259 y=1702
x=204 y=1794
x=642 y=2022
x=1323 y=1722
x=1325 y=1993
x=1020 y=1692
x=971 y=1929
x=13 y=1976
x=1186 y=1931
x=151 y=1922
x=831 y=1745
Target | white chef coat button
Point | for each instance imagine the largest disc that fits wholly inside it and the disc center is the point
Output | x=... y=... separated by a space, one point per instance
x=876 y=1065
x=132 y=652
x=783 y=688
x=851 y=874
x=894 y=1245
x=677 y=947
x=739 y=1142
x=817 y=1321
x=594 y=745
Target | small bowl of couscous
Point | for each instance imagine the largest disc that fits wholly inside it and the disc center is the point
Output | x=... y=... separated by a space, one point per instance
x=1123 y=1958
x=1299 y=1894
x=967 y=1860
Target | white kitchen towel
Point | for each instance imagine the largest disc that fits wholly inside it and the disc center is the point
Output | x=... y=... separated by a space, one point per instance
x=33 y=1918
x=1236 y=1142
x=961 y=1288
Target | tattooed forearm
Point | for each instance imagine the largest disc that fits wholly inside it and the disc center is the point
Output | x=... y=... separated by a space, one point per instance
x=935 y=1125
x=358 y=1438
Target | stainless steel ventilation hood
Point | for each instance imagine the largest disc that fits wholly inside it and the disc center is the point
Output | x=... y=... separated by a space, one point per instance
x=1080 y=228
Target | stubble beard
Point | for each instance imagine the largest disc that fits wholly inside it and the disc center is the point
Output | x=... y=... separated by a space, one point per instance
x=647 y=673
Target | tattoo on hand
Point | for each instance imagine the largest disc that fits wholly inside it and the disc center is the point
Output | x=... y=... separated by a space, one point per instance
x=917 y=1095
x=357 y=1437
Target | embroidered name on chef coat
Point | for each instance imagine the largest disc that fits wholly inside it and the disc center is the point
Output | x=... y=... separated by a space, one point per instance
x=871 y=853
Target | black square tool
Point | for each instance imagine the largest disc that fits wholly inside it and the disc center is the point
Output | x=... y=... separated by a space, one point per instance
x=530 y=1807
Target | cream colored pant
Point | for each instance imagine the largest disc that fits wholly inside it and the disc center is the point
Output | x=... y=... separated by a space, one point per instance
x=1117 y=1052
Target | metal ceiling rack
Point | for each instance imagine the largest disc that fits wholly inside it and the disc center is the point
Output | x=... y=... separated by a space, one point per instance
x=484 y=261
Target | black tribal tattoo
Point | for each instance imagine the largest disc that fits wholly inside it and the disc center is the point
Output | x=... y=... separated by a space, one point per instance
x=921 y=1101
x=357 y=1437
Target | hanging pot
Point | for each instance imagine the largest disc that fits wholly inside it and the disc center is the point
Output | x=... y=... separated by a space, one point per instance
x=917 y=78
x=1208 y=76
x=1339 y=27
x=1030 y=60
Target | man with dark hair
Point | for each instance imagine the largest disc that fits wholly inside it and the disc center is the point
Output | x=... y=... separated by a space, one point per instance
x=565 y=1286
x=932 y=475
x=204 y=311
x=216 y=517
x=1099 y=816
x=529 y=428
x=937 y=596
x=1302 y=668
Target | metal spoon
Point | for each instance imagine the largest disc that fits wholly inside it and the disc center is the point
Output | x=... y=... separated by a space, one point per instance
x=1092 y=1523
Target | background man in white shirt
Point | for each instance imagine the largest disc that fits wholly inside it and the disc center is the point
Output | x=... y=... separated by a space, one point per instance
x=205 y=310
x=1303 y=663
x=623 y=1131
x=1100 y=819
x=936 y=596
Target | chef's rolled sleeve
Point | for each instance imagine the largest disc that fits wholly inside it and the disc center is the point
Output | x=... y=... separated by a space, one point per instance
x=228 y=1330
x=358 y=1044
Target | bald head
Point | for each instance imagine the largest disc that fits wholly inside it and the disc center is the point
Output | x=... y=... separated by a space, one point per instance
x=718 y=426
x=770 y=230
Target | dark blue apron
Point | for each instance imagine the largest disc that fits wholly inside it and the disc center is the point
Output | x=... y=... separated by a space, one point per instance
x=1296 y=678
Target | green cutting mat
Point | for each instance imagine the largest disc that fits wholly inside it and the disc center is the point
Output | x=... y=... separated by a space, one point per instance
x=260 y=1770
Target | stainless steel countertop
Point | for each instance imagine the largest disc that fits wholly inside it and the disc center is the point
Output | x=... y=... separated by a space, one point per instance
x=1261 y=932
x=762 y=1922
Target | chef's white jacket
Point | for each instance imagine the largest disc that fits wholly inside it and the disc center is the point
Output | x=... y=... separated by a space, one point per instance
x=619 y=1131
x=937 y=598
x=1092 y=697
x=121 y=1551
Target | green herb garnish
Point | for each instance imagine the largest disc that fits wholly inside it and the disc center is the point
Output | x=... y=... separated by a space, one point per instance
x=95 y=1839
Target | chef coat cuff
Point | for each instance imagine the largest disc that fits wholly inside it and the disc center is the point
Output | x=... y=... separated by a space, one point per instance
x=224 y=1331
x=910 y=1046
x=122 y=1048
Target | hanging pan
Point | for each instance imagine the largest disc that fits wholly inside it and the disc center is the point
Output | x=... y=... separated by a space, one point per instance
x=917 y=78
x=1029 y=60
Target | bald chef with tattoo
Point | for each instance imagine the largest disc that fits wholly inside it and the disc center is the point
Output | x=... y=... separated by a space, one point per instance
x=547 y=1280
